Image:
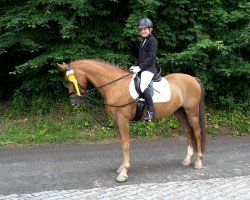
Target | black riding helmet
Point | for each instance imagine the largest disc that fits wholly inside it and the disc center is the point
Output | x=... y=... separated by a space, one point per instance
x=145 y=23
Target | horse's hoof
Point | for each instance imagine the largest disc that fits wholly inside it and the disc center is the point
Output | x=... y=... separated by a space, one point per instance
x=122 y=178
x=198 y=165
x=186 y=162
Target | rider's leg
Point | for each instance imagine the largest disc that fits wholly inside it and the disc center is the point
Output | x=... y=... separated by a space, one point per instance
x=146 y=78
x=149 y=104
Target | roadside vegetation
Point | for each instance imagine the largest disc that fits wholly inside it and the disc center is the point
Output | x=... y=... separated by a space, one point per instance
x=62 y=123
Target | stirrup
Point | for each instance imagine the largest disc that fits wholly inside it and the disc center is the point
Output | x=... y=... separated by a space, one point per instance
x=149 y=117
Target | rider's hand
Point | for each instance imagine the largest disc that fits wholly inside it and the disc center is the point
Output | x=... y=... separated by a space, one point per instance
x=136 y=69
x=131 y=68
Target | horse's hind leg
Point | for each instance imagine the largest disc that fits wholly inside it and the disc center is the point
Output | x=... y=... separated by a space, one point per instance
x=188 y=130
x=193 y=116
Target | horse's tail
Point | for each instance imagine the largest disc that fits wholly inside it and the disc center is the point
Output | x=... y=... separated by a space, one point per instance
x=202 y=118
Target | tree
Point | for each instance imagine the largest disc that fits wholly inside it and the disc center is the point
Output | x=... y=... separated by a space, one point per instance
x=208 y=39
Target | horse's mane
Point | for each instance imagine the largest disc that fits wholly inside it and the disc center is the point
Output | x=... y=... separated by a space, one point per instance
x=106 y=62
x=101 y=61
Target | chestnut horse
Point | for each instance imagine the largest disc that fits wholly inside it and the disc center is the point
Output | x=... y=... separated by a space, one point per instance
x=186 y=103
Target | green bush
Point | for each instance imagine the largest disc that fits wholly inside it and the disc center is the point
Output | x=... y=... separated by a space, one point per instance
x=65 y=124
x=208 y=39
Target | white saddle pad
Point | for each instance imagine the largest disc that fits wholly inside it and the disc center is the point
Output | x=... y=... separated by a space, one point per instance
x=161 y=94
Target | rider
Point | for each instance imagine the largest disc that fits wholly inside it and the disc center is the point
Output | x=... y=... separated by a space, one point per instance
x=146 y=63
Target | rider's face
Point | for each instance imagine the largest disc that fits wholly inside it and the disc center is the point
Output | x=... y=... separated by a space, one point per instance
x=144 y=32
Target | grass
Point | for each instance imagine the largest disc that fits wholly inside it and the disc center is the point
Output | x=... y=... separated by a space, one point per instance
x=64 y=124
x=222 y=122
x=51 y=129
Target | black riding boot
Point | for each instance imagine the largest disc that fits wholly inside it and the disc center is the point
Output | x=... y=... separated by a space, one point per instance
x=149 y=104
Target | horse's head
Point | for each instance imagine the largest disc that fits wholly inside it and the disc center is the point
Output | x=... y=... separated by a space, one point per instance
x=77 y=84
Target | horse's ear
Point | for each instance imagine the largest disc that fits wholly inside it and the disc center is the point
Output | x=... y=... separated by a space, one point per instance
x=62 y=66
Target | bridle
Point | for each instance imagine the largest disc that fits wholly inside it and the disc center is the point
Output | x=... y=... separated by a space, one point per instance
x=70 y=74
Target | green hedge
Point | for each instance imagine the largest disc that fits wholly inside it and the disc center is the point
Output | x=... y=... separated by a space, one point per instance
x=208 y=39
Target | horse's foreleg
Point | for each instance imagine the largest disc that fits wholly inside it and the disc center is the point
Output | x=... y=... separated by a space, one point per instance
x=123 y=125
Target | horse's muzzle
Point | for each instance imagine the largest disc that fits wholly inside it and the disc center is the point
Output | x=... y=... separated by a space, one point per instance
x=76 y=100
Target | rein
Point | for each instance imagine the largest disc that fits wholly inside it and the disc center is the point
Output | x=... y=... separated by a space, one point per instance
x=87 y=99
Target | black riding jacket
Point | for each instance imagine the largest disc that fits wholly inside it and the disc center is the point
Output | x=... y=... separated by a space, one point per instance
x=147 y=55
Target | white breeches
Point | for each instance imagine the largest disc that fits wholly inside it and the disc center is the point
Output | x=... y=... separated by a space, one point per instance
x=146 y=78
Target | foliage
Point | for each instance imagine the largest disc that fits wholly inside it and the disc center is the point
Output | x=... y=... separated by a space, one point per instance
x=63 y=123
x=221 y=122
x=208 y=39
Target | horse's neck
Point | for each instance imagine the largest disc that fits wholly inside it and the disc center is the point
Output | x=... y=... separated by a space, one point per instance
x=98 y=73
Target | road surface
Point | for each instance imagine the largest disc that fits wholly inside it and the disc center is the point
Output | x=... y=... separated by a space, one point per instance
x=87 y=171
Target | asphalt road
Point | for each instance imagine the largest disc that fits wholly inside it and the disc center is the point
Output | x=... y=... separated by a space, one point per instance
x=85 y=166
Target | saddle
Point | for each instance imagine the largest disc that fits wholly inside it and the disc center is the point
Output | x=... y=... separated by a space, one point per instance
x=140 y=102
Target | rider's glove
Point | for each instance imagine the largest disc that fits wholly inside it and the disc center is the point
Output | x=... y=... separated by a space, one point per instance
x=131 y=68
x=136 y=69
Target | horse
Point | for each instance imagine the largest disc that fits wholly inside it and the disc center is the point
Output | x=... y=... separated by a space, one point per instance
x=186 y=103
